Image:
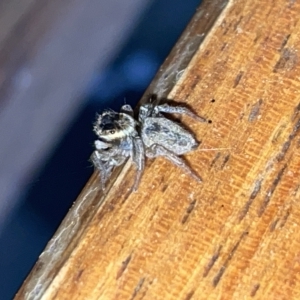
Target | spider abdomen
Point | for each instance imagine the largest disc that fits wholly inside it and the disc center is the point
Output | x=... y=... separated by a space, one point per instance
x=168 y=134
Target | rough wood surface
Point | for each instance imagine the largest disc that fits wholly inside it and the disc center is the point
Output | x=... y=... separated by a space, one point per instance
x=236 y=236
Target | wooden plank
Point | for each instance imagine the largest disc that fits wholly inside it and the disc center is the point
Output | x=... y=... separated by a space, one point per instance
x=236 y=236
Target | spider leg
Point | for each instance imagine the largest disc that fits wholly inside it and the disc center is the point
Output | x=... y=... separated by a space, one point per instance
x=178 y=110
x=102 y=166
x=138 y=157
x=104 y=161
x=158 y=150
x=101 y=145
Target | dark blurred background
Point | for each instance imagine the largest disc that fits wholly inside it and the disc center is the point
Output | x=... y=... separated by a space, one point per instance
x=42 y=197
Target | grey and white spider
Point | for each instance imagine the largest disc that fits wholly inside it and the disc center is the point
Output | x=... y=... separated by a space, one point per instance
x=121 y=136
x=118 y=140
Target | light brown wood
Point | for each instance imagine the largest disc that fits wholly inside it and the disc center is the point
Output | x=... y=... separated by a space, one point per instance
x=237 y=235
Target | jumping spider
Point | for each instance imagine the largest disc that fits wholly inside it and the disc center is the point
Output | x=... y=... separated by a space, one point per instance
x=121 y=136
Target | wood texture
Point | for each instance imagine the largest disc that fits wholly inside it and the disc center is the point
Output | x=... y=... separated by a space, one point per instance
x=236 y=236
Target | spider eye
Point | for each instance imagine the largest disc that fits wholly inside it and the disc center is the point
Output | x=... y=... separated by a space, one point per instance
x=108 y=121
x=112 y=131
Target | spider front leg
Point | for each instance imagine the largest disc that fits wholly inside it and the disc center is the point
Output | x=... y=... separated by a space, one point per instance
x=104 y=168
x=138 y=157
x=99 y=145
x=105 y=160
x=178 y=110
x=158 y=150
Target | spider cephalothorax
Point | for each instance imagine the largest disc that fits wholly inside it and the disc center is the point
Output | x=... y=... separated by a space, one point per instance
x=118 y=140
x=112 y=126
x=121 y=136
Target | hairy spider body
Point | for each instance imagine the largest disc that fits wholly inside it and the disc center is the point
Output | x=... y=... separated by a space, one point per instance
x=163 y=137
x=168 y=134
x=118 y=140
x=121 y=136
x=113 y=127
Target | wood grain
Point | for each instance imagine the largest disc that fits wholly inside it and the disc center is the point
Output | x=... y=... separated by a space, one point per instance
x=236 y=236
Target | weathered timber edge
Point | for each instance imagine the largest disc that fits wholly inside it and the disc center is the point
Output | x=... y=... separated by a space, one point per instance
x=60 y=247
x=236 y=235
